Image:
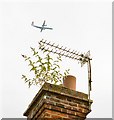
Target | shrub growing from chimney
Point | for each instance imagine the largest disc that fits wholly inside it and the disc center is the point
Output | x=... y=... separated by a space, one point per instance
x=45 y=69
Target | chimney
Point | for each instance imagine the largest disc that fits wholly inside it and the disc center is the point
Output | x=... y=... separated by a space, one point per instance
x=54 y=102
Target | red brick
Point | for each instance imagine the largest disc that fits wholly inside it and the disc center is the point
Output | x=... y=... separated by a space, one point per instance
x=63 y=110
x=71 y=112
x=56 y=108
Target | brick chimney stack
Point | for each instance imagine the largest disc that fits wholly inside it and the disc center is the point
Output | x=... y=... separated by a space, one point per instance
x=55 y=101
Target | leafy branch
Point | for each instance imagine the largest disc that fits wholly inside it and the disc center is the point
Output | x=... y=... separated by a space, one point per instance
x=45 y=69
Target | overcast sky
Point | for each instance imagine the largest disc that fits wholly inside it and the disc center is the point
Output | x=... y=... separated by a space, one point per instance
x=81 y=26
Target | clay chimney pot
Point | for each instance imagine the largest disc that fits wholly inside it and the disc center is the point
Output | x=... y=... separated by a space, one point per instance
x=70 y=82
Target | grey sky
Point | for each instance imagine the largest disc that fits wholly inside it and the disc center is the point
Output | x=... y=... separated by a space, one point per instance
x=81 y=26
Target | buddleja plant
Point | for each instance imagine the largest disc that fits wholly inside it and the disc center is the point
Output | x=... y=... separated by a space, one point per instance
x=45 y=69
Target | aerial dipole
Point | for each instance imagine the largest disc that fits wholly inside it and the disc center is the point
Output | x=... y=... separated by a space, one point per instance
x=72 y=54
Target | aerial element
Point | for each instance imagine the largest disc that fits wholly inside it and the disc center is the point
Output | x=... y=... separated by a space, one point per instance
x=42 y=27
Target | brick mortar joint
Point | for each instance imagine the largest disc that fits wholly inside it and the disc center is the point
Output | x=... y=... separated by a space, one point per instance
x=63 y=106
x=68 y=111
x=67 y=102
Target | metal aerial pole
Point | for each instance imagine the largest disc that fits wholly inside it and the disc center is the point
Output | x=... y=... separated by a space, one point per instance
x=89 y=81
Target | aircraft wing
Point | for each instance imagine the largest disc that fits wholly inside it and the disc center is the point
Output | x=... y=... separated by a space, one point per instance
x=48 y=28
x=36 y=26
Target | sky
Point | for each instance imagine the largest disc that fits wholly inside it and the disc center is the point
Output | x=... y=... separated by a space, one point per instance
x=80 y=26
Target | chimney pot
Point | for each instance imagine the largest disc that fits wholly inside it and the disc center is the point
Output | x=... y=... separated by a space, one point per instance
x=70 y=82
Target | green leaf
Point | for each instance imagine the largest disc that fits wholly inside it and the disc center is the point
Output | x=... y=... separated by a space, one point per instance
x=39 y=59
x=27 y=80
x=37 y=76
x=56 y=61
x=30 y=63
x=65 y=74
x=34 y=51
x=27 y=58
x=33 y=68
x=43 y=68
x=56 y=65
x=23 y=76
x=29 y=84
x=54 y=68
x=59 y=58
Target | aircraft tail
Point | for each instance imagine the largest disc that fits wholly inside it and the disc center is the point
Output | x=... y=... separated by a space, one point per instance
x=32 y=23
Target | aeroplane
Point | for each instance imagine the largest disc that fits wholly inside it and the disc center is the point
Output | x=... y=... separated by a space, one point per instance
x=42 y=27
